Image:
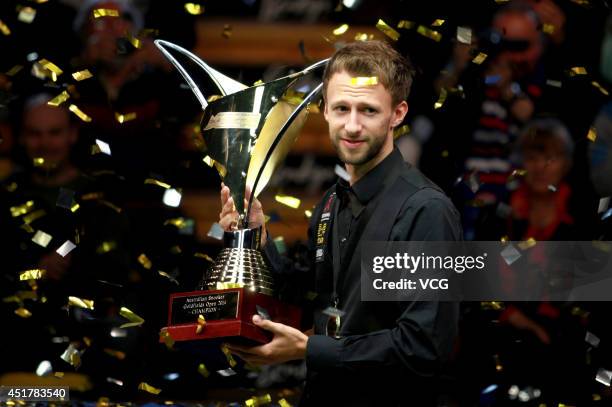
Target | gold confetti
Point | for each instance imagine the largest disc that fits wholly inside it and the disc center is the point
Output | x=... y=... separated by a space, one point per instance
x=72 y=356
x=585 y=3
x=203 y=370
x=290 y=201
x=527 y=244
x=23 y=313
x=308 y=213
x=228 y=355
x=209 y=161
x=498 y=366
x=135 y=41
x=194 y=9
x=34 y=274
x=578 y=70
x=258 y=401
x=592 y=135
x=80 y=302
x=105 y=12
x=341 y=29
x=80 y=114
x=598 y=86
x=87 y=341
x=204 y=256
x=22 y=209
x=284 y=403
x=148 y=388
x=122 y=118
x=201 y=324
x=153 y=181
x=401 y=131
x=441 y=99
x=26 y=15
x=144 y=261
x=406 y=24
x=38 y=161
x=480 y=58
x=387 y=30
x=75 y=207
x=59 y=99
x=168 y=276
x=180 y=223
x=4 y=28
x=363 y=37
x=106 y=247
x=41 y=238
x=438 y=22
x=115 y=353
x=82 y=75
x=134 y=319
x=164 y=335
x=429 y=33
x=548 y=29
x=14 y=70
x=51 y=67
x=364 y=81
x=227 y=31
x=59 y=375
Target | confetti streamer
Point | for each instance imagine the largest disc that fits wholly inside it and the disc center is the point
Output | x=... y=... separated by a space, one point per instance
x=480 y=58
x=308 y=213
x=289 y=201
x=80 y=303
x=578 y=70
x=226 y=372
x=228 y=355
x=438 y=22
x=284 y=403
x=387 y=30
x=23 y=313
x=22 y=209
x=82 y=75
x=79 y=113
x=364 y=81
x=122 y=118
x=600 y=88
x=194 y=9
x=363 y=37
x=510 y=254
x=429 y=33
x=26 y=15
x=153 y=181
x=216 y=231
x=204 y=256
x=148 y=388
x=106 y=247
x=4 y=28
x=406 y=24
x=441 y=99
x=164 y=335
x=105 y=12
x=41 y=238
x=134 y=319
x=401 y=131
x=527 y=244
x=72 y=356
x=340 y=30
x=464 y=35
x=256 y=401
x=34 y=274
x=203 y=370
x=145 y=262
x=201 y=324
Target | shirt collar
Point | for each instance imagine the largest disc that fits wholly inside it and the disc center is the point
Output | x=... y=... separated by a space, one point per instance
x=372 y=182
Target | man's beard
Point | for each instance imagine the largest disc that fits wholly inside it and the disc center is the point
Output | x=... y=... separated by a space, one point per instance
x=373 y=146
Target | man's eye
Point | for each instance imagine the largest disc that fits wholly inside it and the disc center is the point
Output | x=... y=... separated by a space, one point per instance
x=341 y=108
x=369 y=110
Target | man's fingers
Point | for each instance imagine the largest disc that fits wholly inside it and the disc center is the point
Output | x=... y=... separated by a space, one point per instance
x=227 y=221
x=267 y=324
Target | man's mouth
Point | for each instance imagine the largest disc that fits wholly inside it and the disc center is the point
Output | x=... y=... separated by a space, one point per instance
x=350 y=143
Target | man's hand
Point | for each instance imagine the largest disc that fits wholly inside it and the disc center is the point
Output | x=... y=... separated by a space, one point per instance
x=287 y=344
x=228 y=218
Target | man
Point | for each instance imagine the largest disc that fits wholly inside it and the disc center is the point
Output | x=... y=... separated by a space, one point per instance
x=381 y=353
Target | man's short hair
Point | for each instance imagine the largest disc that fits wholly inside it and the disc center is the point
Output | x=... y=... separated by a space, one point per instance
x=373 y=58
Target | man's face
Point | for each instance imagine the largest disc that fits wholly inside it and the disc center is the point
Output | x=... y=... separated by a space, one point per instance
x=544 y=169
x=361 y=119
x=48 y=134
x=520 y=27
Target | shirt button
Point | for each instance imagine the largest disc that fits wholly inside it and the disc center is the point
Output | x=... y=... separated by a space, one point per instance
x=343 y=240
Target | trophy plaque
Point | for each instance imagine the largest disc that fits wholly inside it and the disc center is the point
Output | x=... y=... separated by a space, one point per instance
x=247 y=131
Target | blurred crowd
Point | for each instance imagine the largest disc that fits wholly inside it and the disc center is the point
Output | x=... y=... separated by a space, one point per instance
x=510 y=115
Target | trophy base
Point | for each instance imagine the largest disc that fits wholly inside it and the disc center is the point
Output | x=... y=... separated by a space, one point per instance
x=228 y=314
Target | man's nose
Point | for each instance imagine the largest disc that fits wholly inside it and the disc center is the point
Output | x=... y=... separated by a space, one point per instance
x=353 y=124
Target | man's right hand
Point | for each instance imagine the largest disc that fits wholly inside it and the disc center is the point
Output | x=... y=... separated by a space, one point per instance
x=228 y=218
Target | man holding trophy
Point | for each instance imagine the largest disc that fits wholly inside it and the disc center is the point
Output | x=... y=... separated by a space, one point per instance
x=362 y=353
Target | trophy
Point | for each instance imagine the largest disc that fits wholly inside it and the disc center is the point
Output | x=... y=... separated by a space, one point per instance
x=248 y=131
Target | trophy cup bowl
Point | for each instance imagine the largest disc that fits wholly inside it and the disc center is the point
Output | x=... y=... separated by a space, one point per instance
x=247 y=131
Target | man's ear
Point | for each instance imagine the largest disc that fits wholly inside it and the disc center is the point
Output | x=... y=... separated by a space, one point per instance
x=325 y=113
x=399 y=113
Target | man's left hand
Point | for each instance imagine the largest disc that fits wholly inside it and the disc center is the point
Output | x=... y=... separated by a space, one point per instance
x=287 y=344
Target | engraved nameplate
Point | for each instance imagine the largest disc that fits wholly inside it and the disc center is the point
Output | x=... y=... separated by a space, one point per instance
x=213 y=306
